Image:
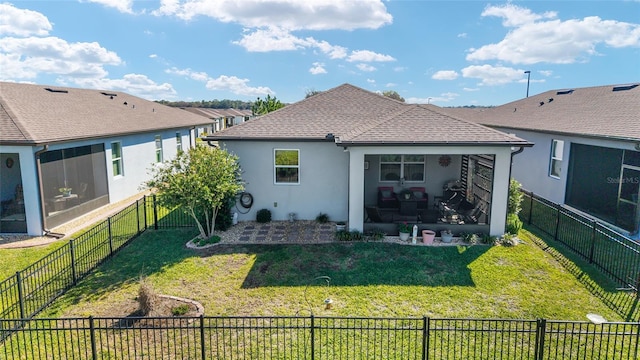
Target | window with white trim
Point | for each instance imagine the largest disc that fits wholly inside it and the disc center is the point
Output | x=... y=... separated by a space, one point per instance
x=159 y=157
x=555 y=164
x=409 y=167
x=116 y=158
x=286 y=166
x=178 y=141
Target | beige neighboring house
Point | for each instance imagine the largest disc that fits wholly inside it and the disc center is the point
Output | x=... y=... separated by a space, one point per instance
x=67 y=151
x=221 y=118
x=587 y=148
x=352 y=154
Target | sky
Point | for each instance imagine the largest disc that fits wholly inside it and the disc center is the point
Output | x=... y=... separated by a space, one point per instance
x=447 y=53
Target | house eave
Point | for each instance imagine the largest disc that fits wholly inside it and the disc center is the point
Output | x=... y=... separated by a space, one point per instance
x=435 y=143
x=567 y=133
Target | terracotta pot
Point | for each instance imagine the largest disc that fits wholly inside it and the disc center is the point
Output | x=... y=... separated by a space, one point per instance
x=428 y=236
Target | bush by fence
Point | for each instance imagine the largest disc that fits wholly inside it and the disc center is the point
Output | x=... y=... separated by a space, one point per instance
x=26 y=293
x=319 y=338
x=613 y=253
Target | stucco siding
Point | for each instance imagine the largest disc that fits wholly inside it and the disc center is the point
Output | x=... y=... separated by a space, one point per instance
x=323 y=180
x=531 y=167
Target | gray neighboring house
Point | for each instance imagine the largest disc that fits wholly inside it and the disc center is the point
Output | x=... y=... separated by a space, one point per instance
x=221 y=118
x=587 y=148
x=66 y=151
x=339 y=151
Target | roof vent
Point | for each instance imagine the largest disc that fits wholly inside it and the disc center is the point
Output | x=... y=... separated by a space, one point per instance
x=125 y=103
x=329 y=136
x=565 y=92
x=624 y=88
x=550 y=99
x=541 y=103
x=56 y=90
x=109 y=94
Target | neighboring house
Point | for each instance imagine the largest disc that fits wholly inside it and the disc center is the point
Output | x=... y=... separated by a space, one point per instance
x=221 y=118
x=587 y=148
x=346 y=151
x=67 y=151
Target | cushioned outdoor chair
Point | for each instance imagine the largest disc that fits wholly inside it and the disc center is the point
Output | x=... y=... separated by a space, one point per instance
x=387 y=197
x=374 y=215
x=422 y=198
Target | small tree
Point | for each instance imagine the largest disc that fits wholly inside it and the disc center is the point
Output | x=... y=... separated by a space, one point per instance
x=269 y=104
x=515 y=197
x=199 y=181
x=393 y=94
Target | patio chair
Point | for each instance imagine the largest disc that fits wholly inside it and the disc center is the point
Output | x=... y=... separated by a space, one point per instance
x=373 y=214
x=422 y=198
x=387 y=197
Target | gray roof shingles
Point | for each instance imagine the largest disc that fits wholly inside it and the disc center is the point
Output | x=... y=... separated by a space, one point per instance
x=359 y=117
x=592 y=111
x=31 y=115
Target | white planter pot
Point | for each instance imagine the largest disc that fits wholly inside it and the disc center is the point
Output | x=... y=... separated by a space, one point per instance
x=404 y=236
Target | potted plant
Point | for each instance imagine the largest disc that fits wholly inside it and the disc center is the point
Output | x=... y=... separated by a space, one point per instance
x=65 y=191
x=404 y=230
x=446 y=236
x=341 y=226
x=405 y=194
x=428 y=236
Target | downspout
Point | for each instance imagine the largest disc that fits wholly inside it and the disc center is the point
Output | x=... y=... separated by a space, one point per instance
x=43 y=222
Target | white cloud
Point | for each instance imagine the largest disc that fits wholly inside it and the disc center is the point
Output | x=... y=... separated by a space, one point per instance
x=120 y=5
x=391 y=85
x=271 y=39
x=371 y=81
x=546 y=73
x=153 y=56
x=444 y=97
x=462 y=35
x=400 y=68
x=445 y=75
x=22 y=22
x=318 y=68
x=288 y=14
x=535 y=38
x=366 y=67
x=227 y=83
x=493 y=75
x=135 y=84
x=368 y=56
x=470 y=89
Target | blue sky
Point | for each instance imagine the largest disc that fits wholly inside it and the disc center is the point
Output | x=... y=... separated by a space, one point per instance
x=448 y=53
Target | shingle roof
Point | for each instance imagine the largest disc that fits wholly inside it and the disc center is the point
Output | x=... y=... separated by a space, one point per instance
x=358 y=117
x=31 y=115
x=593 y=111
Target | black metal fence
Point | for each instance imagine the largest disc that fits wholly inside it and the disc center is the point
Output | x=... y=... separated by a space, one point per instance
x=613 y=253
x=26 y=293
x=318 y=338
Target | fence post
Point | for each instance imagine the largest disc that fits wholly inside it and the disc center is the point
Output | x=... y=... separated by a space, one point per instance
x=72 y=251
x=313 y=340
x=530 y=207
x=593 y=240
x=425 y=338
x=555 y=233
x=92 y=334
x=145 y=212
x=138 y=216
x=110 y=236
x=202 y=347
x=541 y=325
x=20 y=295
x=155 y=213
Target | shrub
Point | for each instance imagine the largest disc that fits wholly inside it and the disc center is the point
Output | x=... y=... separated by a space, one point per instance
x=263 y=216
x=376 y=235
x=488 y=239
x=224 y=219
x=355 y=235
x=514 y=205
x=211 y=240
x=508 y=240
x=514 y=224
x=147 y=299
x=180 y=310
x=322 y=218
x=343 y=235
x=471 y=238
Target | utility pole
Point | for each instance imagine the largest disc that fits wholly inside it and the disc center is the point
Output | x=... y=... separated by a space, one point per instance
x=528 y=78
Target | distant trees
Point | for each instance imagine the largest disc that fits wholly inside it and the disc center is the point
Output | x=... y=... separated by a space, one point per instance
x=269 y=104
x=211 y=104
x=312 y=92
x=393 y=94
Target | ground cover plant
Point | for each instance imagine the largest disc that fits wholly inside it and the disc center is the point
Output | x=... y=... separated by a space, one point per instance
x=367 y=279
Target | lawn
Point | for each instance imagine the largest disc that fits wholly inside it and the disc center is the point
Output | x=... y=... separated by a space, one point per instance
x=367 y=279
x=14 y=260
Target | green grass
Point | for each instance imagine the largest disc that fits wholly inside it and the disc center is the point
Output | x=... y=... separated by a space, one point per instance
x=14 y=260
x=367 y=279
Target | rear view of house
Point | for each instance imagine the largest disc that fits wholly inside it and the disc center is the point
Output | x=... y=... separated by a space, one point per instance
x=66 y=151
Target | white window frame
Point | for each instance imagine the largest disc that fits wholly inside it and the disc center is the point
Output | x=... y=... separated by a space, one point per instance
x=556 y=158
x=276 y=167
x=158 y=145
x=179 y=142
x=117 y=160
x=402 y=163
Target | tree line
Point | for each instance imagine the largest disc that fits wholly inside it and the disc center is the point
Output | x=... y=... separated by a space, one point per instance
x=211 y=104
